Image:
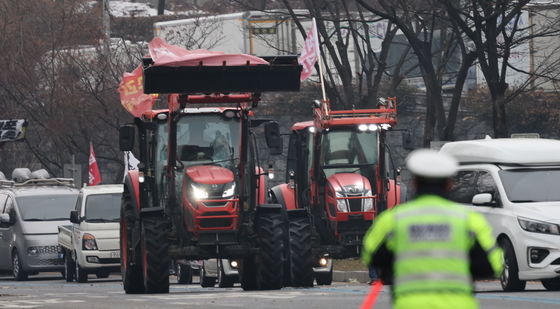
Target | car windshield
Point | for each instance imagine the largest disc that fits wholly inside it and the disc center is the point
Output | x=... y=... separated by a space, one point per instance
x=103 y=207
x=531 y=185
x=46 y=207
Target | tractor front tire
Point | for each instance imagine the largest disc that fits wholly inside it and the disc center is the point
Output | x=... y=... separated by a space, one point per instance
x=155 y=258
x=248 y=274
x=270 y=257
x=300 y=253
x=131 y=267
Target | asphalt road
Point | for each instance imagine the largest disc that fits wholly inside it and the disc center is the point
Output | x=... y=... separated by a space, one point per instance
x=53 y=292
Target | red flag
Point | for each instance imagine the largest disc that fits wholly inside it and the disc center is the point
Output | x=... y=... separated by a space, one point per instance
x=310 y=52
x=131 y=90
x=94 y=175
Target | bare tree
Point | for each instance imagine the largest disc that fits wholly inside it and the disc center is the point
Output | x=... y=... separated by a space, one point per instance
x=419 y=21
x=493 y=28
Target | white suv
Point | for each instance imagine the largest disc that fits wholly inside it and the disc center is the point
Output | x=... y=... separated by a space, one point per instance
x=515 y=184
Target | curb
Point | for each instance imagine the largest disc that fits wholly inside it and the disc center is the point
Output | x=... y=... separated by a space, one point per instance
x=351 y=276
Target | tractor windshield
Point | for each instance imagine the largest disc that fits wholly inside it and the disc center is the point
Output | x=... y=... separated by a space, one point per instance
x=348 y=151
x=204 y=139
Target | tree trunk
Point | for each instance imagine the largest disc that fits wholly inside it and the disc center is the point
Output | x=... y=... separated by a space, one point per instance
x=499 y=115
x=468 y=59
x=430 y=122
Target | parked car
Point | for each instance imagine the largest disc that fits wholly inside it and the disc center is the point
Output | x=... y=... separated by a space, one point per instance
x=222 y=271
x=30 y=212
x=90 y=245
x=514 y=183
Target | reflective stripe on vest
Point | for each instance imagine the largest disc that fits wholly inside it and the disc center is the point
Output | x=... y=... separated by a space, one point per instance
x=431 y=245
x=432 y=276
x=436 y=253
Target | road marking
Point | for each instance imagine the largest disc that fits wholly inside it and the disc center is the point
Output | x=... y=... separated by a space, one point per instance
x=36 y=303
x=520 y=298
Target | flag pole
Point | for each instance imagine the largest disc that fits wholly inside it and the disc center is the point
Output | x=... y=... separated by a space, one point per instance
x=320 y=60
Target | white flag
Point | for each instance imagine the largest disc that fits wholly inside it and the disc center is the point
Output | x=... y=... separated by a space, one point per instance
x=130 y=163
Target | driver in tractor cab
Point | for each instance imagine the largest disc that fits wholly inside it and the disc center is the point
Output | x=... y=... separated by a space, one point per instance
x=220 y=146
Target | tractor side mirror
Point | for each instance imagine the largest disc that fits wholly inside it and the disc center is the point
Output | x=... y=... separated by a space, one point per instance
x=126 y=137
x=74 y=216
x=273 y=138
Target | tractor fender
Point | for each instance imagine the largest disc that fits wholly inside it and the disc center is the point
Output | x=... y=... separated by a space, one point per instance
x=393 y=194
x=132 y=184
x=269 y=208
x=285 y=195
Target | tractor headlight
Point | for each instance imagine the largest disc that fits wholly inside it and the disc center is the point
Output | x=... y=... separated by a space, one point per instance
x=368 y=201
x=535 y=226
x=199 y=193
x=229 y=190
x=341 y=204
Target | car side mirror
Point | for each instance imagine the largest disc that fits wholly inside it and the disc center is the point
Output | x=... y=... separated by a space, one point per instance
x=483 y=199
x=273 y=138
x=126 y=137
x=74 y=216
x=5 y=218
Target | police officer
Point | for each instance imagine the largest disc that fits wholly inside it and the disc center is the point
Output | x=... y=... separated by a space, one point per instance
x=430 y=249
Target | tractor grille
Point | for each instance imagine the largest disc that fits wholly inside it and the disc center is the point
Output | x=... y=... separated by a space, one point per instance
x=355 y=203
x=215 y=222
x=215 y=204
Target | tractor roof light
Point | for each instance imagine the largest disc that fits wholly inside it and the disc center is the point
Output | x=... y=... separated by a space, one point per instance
x=311 y=129
x=363 y=127
x=162 y=116
x=229 y=114
x=373 y=127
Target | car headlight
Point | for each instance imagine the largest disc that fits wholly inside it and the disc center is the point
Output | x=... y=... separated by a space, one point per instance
x=199 y=193
x=32 y=251
x=367 y=202
x=341 y=205
x=229 y=191
x=88 y=242
x=535 y=226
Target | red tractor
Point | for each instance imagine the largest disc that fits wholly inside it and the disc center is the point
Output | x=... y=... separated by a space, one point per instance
x=199 y=192
x=338 y=179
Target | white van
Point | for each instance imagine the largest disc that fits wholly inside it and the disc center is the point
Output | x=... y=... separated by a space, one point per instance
x=515 y=183
x=91 y=244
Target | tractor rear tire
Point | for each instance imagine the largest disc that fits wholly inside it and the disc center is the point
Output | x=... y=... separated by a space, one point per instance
x=270 y=257
x=155 y=258
x=300 y=253
x=131 y=267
